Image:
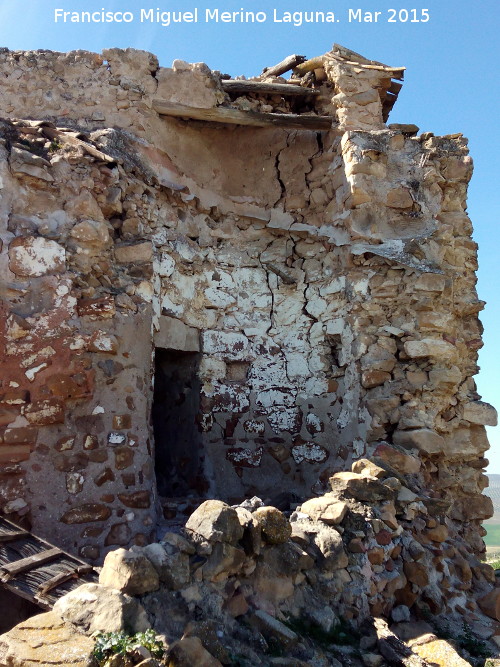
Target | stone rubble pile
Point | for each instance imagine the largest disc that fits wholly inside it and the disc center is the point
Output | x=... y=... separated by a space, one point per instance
x=247 y=581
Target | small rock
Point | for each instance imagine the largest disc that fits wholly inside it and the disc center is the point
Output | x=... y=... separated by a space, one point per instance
x=271 y=627
x=275 y=527
x=438 y=534
x=172 y=568
x=190 y=652
x=368 y=468
x=400 y=614
x=327 y=508
x=490 y=604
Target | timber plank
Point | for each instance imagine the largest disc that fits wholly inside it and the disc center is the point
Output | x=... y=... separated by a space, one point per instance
x=237 y=117
x=12 y=569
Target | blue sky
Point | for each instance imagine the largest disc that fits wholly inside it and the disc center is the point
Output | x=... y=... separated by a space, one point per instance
x=451 y=84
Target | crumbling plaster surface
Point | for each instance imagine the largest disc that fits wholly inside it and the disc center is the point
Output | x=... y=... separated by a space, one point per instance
x=328 y=277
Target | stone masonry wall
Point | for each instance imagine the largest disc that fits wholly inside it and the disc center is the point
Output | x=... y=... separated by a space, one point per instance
x=327 y=278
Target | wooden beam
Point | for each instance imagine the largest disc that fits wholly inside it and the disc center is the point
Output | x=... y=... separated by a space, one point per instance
x=310 y=65
x=10 y=537
x=264 y=88
x=284 y=66
x=237 y=117
x=18 y=566
x=62 y=578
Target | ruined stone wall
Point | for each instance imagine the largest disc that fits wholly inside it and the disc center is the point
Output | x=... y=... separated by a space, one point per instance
x=326 y=278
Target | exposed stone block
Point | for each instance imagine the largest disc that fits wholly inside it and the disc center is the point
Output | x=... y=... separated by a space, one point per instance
x=32 y=256
x=423 y=439
x=175 y=335
x=478 y=412
x=134 y=253
x=431 y=347
x=48 y=411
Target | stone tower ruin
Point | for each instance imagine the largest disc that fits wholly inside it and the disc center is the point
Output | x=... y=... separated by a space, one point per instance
x=214 y=287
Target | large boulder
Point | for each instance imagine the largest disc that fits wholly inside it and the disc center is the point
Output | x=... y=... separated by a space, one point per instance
x=216 y=522
x=45 y=640
x=130 y=571
x=96 y=608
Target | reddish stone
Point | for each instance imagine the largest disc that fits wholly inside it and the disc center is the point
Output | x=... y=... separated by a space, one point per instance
x=137 y=500
x=86 y=514
x=383 y=538
x=66 y=386
x=21 y=436
x=14 y=453
x=128 y=479
x=90 y=442
x=63 y=444
x=48 y=411
x=416 y=573
x=96 y=309
x=15 y=397
x=7 y=415
x=98 y=455
x=107 y=475
x=71 y=462
x=406 y=596
x=376 y=556
x=107 y=498
x=92 y=531
x=122 y=422
x=124 y=457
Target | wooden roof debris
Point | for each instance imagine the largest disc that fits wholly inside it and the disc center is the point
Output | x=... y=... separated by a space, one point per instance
x=266 y=88
x=305 y=75
x=37 y=570
x=284 y=66
x=237 y=117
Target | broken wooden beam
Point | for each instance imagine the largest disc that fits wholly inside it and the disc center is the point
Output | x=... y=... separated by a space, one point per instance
x=284 y=66
x=310 y=65
x=12 y=569
x=250 y=118
x=264 y=88
x=62 y=578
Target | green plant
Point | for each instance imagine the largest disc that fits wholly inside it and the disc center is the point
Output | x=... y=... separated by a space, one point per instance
x=472 y=644
x=108 y=644
x=54 y=146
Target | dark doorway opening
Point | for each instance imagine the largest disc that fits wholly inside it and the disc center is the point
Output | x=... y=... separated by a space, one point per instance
x=176 y=409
